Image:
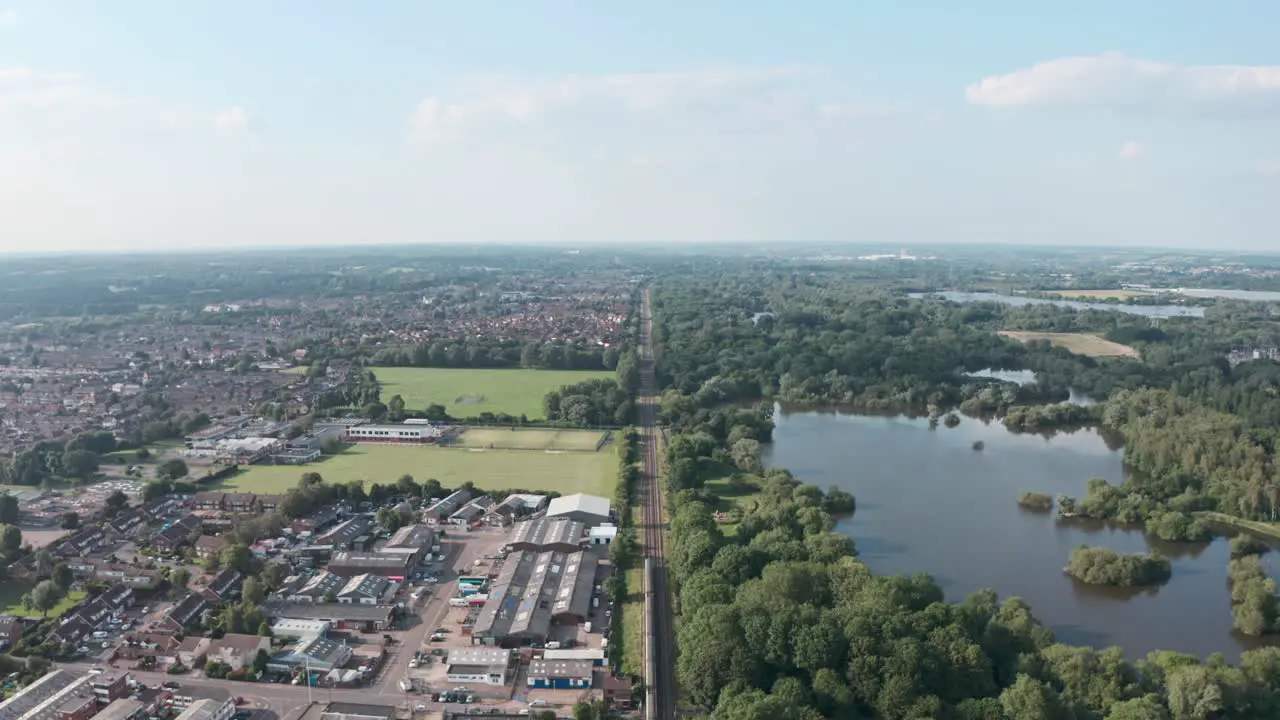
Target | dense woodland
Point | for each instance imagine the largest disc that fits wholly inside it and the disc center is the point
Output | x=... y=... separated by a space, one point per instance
x=778 y=618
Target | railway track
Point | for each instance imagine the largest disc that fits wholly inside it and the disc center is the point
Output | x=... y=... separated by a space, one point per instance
x=659 y=654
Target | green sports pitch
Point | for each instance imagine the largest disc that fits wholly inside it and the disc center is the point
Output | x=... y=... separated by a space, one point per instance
x=566 y=463
x=467 y=393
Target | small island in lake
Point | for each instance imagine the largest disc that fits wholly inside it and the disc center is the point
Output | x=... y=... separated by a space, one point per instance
x=1038 y=502
x=1101 y=566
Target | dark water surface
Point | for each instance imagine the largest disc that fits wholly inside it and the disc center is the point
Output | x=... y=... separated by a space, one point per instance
x=928 y=502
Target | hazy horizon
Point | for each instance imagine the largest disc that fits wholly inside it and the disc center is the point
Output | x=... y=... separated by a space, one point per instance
x=156 y=126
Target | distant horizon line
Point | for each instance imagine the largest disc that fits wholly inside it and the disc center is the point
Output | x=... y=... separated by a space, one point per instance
x=778 y=246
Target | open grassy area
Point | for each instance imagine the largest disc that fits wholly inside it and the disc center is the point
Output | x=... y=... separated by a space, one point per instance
x=505 y=438
x=467 y=393
x=731 y=499
x=564 y=472
x=1079 y=343
x=11 y=593
x=633 y=624
x=1116 y=294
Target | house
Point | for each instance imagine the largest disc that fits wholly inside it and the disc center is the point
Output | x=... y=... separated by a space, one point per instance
x=209 y=500
x=317 y=653
x=239 y=502
x=316 y=588
x=487 y=666
x=209 y=545
x=161 y=646
x=618 y=691
x=175 y=535
x=10 y=630
x=446 y=507
x=224 y=586
x=414 y=540
x=393 y=566
x=236 y=650
x=192 y=650
x=117 y=596
x=366 y=589
x=185 y=612
x=590 y=510
x=71 y=630
x=81 y=543
x=128 y=524
x=95 y=611
x=269 y=503
x=545 y=534
x=127 y=575
x=472 y=512
x=560 y=674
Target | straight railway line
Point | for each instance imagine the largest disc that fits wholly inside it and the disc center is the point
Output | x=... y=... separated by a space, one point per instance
x=659 y=653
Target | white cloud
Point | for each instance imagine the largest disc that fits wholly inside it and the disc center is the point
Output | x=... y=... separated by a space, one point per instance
x=1131 y=150
x=8 y=16
x=232 y=119
x=1117 y=81
x=490 y=101
x=29 y=89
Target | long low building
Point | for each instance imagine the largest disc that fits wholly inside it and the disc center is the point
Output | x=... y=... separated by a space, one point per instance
x=532 y=592
x=490 y=666
x=340 y=616
x=393 y=433
x=393 y=566
x=546 y=534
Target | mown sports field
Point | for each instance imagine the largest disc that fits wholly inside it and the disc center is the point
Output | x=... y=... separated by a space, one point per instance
x=1079 y=343
x=561 y=460
x=466 y=393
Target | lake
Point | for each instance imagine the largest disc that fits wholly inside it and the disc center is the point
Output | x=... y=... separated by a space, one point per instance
x=1158 y=311
x=928 y=502
x=1028 y=377
x=1250 y=295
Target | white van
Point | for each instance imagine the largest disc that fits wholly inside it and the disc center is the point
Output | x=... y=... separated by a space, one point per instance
x=553 y=645
x=457 y=602
x=99 y=635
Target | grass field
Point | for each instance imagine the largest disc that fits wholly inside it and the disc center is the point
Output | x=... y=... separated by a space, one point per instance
x=1079 y=343
x=633 y=624
x=731 y=499
x=11 y=601
x=467 y=393
x=565 y=472
x=1101 y=294
x=529 y=439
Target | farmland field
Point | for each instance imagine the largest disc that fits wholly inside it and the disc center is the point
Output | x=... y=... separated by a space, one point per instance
x=564 y=472
x=1079 y=343
x=467 y=393
x=1101 y=294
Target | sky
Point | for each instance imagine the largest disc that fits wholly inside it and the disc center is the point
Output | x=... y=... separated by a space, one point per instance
x=154 y=124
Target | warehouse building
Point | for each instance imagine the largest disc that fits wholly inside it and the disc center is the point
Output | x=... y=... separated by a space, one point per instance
x=393 y=566
x=489 y=666
x=560 y=674
x=393 y=433
x=532 y=592
x=590 y=510
x=413 y=540
x=543 y=534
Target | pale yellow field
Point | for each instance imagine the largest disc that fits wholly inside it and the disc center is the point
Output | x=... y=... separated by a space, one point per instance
x=1079 y=343
x=1101 y=294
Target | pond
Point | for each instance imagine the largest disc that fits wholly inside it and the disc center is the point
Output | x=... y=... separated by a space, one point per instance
x=928 y=502
x=1158 y=311
x=1028 y=377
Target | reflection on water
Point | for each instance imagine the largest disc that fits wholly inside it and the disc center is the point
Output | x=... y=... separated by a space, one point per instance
x=1027 y=377
x=1018 y=301
x=928 y=503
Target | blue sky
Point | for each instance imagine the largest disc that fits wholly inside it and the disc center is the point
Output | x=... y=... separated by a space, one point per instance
x=157 y=124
